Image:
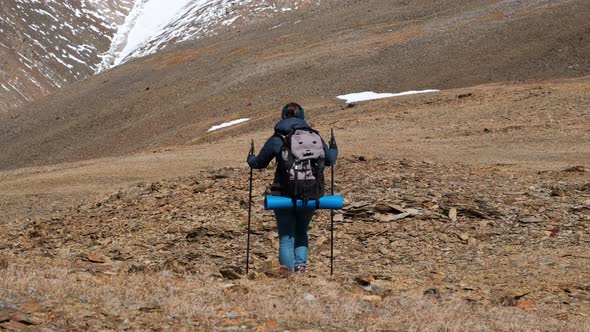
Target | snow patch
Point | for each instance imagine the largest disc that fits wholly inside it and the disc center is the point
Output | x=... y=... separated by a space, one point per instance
x=370 y=95
x=228 y=124
x=152 y=16
x=154 y=24
x=143 y=23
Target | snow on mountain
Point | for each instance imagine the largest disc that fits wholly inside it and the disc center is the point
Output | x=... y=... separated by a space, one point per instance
x=154 y=24
x=45 y=44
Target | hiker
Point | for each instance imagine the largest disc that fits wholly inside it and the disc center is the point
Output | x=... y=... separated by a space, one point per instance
x=292 y=224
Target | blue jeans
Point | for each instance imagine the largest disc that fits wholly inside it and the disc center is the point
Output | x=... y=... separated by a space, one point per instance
x=293 y=240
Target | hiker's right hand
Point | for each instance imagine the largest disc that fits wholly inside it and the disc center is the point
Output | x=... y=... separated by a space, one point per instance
x=333 y=143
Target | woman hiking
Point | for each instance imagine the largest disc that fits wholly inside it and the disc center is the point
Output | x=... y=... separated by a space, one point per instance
x=292 y=224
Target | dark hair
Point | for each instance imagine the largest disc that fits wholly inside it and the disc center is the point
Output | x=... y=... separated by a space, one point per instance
x=291 y=110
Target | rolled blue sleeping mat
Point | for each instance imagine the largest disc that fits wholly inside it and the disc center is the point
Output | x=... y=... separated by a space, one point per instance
x=326 y=203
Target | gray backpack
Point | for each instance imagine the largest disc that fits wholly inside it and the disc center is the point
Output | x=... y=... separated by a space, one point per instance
x=302 y=161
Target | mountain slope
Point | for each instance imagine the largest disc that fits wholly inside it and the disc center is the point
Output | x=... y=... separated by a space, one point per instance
x=155 y=24
x=47 y=44
x=146 y=235
x=310 y=56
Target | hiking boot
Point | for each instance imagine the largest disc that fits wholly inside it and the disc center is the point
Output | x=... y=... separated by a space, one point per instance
x=300 y=269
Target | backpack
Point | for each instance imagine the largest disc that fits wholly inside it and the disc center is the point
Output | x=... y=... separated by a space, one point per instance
x=302 y=160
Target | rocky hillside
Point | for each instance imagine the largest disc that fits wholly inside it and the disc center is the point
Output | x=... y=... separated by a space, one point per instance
x=466 y=209
x=421 y=245
x=153 y=25
x=45 y=45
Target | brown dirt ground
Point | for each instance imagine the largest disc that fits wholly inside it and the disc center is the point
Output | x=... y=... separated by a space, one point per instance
x=538 y=126
x=513 y=159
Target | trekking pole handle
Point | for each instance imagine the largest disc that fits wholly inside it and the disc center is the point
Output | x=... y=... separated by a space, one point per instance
x=332 y=139
x=251 y=152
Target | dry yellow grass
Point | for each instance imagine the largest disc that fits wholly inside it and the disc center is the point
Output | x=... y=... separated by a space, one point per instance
x=208 y=302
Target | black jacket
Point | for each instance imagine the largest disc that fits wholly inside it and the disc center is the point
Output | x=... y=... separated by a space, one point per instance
x=273 y=145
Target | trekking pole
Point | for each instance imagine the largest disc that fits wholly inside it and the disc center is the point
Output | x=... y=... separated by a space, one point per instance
x=332 y=141
x=251 y=153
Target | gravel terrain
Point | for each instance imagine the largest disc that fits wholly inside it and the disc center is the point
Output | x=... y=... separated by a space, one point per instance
x=466 y=209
